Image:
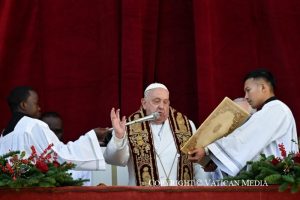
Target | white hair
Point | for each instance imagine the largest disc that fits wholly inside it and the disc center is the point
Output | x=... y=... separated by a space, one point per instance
x=242 y=99
x=154 y=86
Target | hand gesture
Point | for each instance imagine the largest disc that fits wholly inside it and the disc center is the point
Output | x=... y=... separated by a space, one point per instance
x=118 y=124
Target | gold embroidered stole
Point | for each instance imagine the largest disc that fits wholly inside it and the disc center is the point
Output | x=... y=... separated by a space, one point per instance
x=142 y=148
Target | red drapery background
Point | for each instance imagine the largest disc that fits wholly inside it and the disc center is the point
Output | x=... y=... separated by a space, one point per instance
x=85 y=57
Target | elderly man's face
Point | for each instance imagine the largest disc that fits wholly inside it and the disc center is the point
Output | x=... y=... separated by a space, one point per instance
x=245 y=105
x=157 y=100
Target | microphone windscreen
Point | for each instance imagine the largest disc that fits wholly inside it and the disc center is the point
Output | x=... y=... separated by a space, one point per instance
x=156 y=115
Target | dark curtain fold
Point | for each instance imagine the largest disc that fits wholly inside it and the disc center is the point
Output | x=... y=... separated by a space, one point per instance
x=85 y=57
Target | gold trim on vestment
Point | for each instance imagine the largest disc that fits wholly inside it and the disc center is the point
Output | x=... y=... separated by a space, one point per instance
x=143 y=152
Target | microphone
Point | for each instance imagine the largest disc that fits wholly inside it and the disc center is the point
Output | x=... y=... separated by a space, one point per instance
x=151 y=117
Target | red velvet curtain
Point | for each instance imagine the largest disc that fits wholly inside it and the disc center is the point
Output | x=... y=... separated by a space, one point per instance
x=85 y=57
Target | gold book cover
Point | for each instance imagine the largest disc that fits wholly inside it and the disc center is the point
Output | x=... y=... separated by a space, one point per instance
x=225 y=118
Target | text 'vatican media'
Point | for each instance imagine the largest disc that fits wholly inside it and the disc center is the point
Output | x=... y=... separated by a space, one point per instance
x=208 y=182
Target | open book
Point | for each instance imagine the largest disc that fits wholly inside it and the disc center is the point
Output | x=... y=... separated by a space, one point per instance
x=226 y=117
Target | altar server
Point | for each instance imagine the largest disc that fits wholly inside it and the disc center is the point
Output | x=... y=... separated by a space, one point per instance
x=24 y=131
x=271 y=125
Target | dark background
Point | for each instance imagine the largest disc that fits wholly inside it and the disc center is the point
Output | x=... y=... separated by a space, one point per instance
x=85 y=57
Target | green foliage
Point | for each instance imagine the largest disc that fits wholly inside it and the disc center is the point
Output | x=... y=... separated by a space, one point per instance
x=35 y=171
x=283 y=171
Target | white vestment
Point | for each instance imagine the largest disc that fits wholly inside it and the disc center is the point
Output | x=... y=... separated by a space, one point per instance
x=272 y=125
x=84 y=152
x=117 y=153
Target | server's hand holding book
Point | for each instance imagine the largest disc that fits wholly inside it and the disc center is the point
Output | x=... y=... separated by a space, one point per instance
x=226 y=117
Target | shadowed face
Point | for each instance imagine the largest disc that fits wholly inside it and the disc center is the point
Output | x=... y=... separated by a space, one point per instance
x=157 y=100
x=55 y=124
x=31 y=105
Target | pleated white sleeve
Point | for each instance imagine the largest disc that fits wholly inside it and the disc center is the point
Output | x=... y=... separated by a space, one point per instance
x=84 y=152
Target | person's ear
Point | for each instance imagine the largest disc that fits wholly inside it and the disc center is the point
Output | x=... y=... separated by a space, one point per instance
x=264 y=87
x=143 y=102
x=23 y=105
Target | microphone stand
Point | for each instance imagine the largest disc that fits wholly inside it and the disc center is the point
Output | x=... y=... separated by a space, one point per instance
x=151 y=117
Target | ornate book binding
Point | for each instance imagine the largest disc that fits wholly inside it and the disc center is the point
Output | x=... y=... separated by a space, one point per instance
x=226 y=117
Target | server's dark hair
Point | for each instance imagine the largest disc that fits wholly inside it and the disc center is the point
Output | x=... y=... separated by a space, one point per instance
x=50 y=114
x=262 y=73
x=17 y=95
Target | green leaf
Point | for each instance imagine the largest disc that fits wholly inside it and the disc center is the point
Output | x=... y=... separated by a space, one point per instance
x=268 y=165
x=45 y=184
x=255 y=168
x=295 y=188
x=260 y=176
x=280 y=166
x=283 y=187
x=273 y=179
x=2 y=183
x=262 y=156
x=297 y=170
x=288 y=178
x=242 y=176
x=49 y=180
x=268 y=171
